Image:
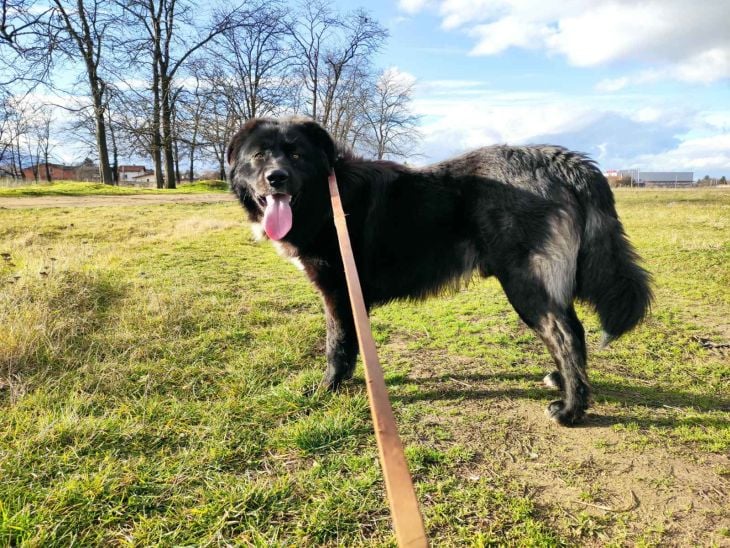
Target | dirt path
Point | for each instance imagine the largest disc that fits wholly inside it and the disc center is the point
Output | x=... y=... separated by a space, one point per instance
x=97 y=201
x=595 y=483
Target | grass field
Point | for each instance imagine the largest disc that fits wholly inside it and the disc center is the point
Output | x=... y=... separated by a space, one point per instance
x=154 y=362
x=72 y=188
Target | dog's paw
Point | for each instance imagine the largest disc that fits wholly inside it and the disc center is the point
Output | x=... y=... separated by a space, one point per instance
x=334 y=382
x=554 y=380
x=334 y=377
x=558 y=412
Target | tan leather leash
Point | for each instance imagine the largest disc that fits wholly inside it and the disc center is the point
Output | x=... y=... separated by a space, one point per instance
x=407 y=519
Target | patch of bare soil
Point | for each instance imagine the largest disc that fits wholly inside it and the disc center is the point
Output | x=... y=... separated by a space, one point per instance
x=98 y=201
x=593 y=483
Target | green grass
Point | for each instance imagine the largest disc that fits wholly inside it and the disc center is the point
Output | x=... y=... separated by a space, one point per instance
x=156 y=376
x=71 y=188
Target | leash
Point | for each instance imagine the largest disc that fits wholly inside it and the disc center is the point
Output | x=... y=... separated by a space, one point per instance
x=407 y=519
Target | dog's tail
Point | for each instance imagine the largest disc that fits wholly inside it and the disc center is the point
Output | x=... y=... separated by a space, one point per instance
x=609 y=276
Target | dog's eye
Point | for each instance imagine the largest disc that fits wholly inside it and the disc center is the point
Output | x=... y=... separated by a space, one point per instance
x=258 y=156
x=294 y=155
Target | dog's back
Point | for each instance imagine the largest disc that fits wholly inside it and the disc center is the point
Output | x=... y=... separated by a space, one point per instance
x=607 y=273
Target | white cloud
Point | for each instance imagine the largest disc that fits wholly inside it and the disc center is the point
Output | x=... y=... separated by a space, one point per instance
x=508 y=32
x=678 y=39
x=705 y=67
x=456 y=13
x=610 y=85
x=450 y=88
x=706 y=154
x=648 y=114
x=395 y=21
x=403 y=78
x=413 y=6
x=461 y=115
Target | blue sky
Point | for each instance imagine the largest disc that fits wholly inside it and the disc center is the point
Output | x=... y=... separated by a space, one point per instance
x=633 y=84
x=636 y=85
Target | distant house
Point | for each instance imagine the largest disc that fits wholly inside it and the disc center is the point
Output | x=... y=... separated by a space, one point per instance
x=142 y=179
x=59 y=172
x=659 y=178
x=127 y=173
x=666 y=178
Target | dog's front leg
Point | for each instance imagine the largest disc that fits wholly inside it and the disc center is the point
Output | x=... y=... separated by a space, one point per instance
x=341 y=339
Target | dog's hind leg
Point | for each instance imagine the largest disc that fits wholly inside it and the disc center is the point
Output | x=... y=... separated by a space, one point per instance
x=563 y=334
x=561 y=331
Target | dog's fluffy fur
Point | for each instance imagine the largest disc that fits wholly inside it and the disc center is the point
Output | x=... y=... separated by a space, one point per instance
x=539 y=218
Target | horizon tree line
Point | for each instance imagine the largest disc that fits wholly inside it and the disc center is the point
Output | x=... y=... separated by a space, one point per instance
x=171 y=80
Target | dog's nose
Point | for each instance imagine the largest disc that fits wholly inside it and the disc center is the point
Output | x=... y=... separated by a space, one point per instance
x=277 y=177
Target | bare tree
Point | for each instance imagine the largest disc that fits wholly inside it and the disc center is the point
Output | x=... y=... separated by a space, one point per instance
x=168 y=80
x=17 y=135
x=347 y=123
x=38 y=139
x=222 y=117
x=83 y=28
x=309 y=31
x=193 y=104
x=362 y=36
x=391 y=125
x=258 y=60
x=168 y=26
x=25 y=43
x=6 y=140
x=331 y=47
x=132 y=110
x=44 y=142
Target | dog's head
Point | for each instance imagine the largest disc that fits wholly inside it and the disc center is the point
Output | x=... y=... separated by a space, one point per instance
x=279 y=168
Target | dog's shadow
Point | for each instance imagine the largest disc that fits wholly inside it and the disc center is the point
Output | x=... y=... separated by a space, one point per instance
x=632 y=400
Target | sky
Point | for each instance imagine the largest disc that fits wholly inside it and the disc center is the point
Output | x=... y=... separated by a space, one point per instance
x=634 y=84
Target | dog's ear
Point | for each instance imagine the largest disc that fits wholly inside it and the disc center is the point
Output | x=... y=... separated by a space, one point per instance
x=240 y=137
x=321 y=138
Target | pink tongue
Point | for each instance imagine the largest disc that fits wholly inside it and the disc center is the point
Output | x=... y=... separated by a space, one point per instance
x=277 y=216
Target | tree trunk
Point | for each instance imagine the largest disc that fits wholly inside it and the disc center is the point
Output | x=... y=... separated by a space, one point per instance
x=115 y=150
x=222 y=169
x=105 y=171
x=315 y=83
x=193 y=145
x=157 y=160
x=20 y=162
x=157 y=143
x=170 y=181
x=167 y=133
x=115 y=166
x=46 y=147
x=192 y=162
x=177 y=161
x=156 y=138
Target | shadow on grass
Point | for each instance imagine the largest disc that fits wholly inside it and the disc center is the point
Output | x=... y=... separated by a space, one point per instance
x=58 y=328
x=466 y=387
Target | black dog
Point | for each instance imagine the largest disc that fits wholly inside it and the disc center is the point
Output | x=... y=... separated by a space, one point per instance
x=539 y=218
